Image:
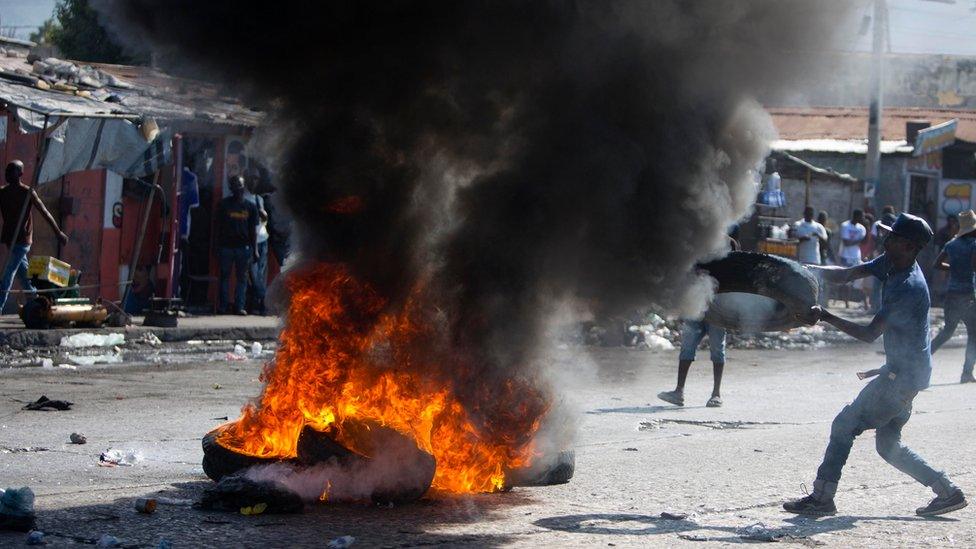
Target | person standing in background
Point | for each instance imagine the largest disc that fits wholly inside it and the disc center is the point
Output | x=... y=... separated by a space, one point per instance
x=259 y=268
x=16 y=198
x=827 y=256
x=958 y=257
x=237 y=223
x=813 y=238
x=852 y=233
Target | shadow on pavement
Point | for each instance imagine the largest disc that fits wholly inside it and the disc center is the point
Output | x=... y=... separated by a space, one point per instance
x=371 y=525
x=643 y=409
x=643 y=525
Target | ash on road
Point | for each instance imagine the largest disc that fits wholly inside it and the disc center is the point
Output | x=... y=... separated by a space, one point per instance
x=729 y=469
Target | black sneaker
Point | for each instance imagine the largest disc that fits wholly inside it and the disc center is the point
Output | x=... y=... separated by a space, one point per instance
x=811 y=506
x=967 y=378
x=942 y=505
x=674 y=397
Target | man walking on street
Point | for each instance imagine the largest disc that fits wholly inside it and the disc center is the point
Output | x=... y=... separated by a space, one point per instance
x=960 y=297
x=692 y=333
x=13 y=197
x=885 y=404
x=237 y=223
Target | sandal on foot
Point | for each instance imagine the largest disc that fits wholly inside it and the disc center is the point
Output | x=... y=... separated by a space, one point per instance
x=714 y=402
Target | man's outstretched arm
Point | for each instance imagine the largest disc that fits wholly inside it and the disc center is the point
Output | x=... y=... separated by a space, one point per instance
x=841 y=275
x=860 y=332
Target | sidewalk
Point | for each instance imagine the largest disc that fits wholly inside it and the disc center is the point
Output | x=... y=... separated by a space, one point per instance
x=249 y=328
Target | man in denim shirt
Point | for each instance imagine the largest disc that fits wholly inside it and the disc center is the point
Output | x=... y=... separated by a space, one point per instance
x=885 y=405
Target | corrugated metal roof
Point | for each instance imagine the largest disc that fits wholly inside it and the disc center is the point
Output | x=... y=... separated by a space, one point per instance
x=851 y=123
x=153 y=93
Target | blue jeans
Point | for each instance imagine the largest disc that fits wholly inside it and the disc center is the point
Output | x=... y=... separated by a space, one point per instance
x=959 y=306
x=885 y=406
x=238 y=259
x=692 y=333
x=16 y=264
x=259 y=275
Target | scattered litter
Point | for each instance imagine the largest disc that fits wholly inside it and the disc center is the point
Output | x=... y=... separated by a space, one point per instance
x=630 y=449
x=86 y=339
x=221 y=418
x=235 y=356
x=761 y=532
x=342 y=543
x=47 y=363
x=146 y=506
x=176 y=502
x=217 y=386
x=107 y=541
x=674 y=516
x=17 y=509
x=46 y=404
x=67 y=366
x=113 y=458
x=255 y=509
x=89 y=360
x=150 y=338
x=256 y=349
x=239 y=350
x=77 y=438
x=694 y=537
x=36 y=537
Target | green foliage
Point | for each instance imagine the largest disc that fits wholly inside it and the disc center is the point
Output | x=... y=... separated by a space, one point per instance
x=77 y=32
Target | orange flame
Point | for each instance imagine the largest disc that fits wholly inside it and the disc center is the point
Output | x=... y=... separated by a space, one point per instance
x=343 y=357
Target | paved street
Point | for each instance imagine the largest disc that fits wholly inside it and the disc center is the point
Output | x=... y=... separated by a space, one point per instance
x=728 y=468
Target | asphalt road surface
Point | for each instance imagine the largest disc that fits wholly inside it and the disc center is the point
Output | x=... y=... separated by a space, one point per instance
x=729 y=469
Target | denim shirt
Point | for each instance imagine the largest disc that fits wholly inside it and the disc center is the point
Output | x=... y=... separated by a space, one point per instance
x=905 y=309
x=960 y=252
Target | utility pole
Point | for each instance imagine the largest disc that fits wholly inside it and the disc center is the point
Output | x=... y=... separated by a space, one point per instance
x=872 y=166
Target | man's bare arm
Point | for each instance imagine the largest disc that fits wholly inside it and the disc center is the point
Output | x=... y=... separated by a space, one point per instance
x=841 y=275
x=39 y=204
x=866 y=334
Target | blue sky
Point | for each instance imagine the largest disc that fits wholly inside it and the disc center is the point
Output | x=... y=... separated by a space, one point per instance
x=917 y=26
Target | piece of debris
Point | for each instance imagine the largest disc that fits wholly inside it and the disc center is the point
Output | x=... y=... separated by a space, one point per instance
x=630 y=449
x=90 y=360
x=234 y=493
x=17 y=509
x=256 y=509
x=67 y=366
x=234 y=356
x=146 y=506
x=217 y=386
x=47 y=363
x=674 y=516
x=694 y=537
x=164 y=544
x=77 y=438
x=256 y=349
x=23 y=449
x=86 y=339
x=341 y=543
x=113 y=458
x=35 y=537
x=46 y=404
x=150 y=338
x=107 y=541
x=221 y=418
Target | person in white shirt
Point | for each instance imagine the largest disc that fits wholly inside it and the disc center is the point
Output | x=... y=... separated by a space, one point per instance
x=812 y=236
x=852 y=232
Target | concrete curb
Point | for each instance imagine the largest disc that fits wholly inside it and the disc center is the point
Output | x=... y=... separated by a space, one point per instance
x=21 y=339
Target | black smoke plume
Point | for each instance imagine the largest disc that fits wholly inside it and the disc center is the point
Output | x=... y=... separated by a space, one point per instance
x=516 y=154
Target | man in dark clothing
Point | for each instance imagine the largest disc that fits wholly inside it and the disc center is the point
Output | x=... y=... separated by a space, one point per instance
x=13 y=197
x=885 y=404
x=237 y=222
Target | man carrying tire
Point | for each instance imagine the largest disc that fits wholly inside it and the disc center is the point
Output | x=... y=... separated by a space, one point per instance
x=885 y=404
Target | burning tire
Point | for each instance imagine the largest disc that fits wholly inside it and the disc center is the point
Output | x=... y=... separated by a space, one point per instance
x=784 y=288
x=219 y=462
x=557 y=469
